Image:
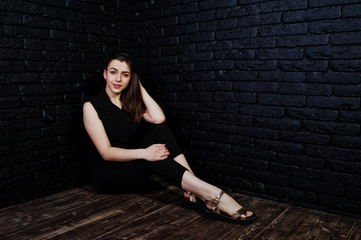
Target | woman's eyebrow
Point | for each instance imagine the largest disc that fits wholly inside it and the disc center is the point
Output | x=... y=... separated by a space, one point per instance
x=113 y=68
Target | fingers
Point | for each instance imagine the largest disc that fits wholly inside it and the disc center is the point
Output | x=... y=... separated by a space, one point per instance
x=159 y=152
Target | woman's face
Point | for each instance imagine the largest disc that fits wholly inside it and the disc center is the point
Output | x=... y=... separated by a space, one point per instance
x=117 y=76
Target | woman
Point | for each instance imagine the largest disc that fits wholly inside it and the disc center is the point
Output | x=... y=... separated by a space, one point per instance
x=131 y=140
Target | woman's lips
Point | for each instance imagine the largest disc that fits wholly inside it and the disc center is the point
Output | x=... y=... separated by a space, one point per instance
x=116 y=86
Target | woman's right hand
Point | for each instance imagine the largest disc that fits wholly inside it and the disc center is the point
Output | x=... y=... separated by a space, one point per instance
x=155 y=152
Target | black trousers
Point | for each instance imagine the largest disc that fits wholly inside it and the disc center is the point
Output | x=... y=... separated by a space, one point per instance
x=119 y=176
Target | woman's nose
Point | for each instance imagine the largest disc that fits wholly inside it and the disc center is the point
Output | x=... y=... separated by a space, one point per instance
x=119 y=78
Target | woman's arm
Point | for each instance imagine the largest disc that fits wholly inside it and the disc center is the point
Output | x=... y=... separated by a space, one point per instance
x=97 y=134
x=154 y=112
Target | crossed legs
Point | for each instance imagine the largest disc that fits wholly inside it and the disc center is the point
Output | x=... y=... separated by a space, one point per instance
x=206 y=191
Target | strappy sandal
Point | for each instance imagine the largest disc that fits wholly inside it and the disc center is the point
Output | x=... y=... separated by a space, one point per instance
x=239 y=217
x=193 y=202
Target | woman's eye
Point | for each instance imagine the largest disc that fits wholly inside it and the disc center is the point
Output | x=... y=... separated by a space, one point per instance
x=113 y=72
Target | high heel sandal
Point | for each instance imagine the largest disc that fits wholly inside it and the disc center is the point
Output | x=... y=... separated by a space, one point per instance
x=193 y=202
x=239 y=217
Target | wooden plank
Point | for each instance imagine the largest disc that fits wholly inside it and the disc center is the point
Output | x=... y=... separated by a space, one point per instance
x=81 y=213
x=132 y=208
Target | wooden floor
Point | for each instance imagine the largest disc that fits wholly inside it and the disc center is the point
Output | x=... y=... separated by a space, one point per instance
x=81 y=213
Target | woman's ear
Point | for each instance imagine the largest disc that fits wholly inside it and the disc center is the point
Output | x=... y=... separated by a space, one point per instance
x=104 y=74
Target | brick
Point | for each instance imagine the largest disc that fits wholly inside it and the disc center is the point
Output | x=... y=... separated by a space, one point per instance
x=280 y=53
x=12 y=125
x=346 y=141
x=289 y=170
x=282 y=29
x=345 y=52
x=276 y=76
x=208 y=4
x=234 y=54
x=262 y=133
x=242 y=120
x=180 y=9
x=84 y=6
x=334 y=153
x=259 y=19
x=266 y=177
x=345 y=38
x=304 y=137
x=236 y=33
x=213 y=45
x=281 y=100
x=234 y=97
x=198 y=37
x=348 y=90
x=332 y=127
x=22 y=31
x=263 y=87
x=58 y=3
x=9 y=90
x=335 y=26
x=7 y=42
x=244 y=184
x=341 y=178
x=312 y=14
x=55 y=12
x=246 y=65
x=237 y=11
x=275 y=123
x=306 y=89
x=291 y=193
x=302 y=161
x=337 y=78
x=302 y=40
x=218 y=128
x=212 y=86
x=346 y=65
x=311 y=113
x=215 y=65
x=196 y=56
x=322 y=3
x=333 y=102
x=249 y=163
x=279 y=146
x=235 y=76
x=39 y=21
x=317 y=186
x=353 y=193
x=303 y=66
x=278 y=6
x=255 y=42
x=351 y=11
x=258 y=110
x=350 y=116
x=12 y=66
x=217 y=25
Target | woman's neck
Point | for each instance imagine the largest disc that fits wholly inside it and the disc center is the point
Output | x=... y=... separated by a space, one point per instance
x=114 y=98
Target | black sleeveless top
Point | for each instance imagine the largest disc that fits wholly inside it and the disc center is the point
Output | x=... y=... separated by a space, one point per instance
x=120 y=129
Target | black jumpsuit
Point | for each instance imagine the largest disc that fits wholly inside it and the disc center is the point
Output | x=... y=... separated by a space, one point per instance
x=109 y=176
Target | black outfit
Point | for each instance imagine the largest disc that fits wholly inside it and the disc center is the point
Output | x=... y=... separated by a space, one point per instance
x=122 y=132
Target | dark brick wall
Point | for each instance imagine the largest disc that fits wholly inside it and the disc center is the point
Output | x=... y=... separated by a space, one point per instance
x=264 y=95
x=50 y=52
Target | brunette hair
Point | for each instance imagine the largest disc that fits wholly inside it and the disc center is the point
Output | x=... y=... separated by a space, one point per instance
x=131 y=97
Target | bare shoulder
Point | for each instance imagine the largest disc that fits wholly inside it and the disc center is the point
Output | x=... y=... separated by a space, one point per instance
x=87 y=106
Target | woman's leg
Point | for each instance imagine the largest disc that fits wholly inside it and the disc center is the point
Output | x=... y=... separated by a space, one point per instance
x=181 y=159
x=172 y=172
x=207 y=191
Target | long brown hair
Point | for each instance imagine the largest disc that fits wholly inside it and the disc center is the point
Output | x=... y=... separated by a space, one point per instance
x=131 y=97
